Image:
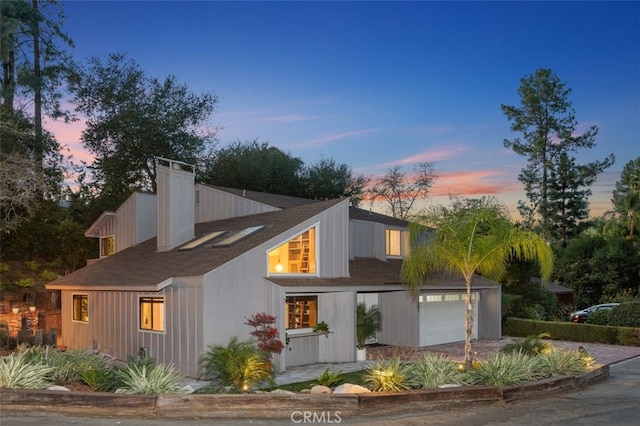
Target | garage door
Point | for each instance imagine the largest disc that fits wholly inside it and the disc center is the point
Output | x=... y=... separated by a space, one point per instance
x=442 y=318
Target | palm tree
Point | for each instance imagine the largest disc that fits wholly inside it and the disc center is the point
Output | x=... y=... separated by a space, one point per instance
x=471 y=237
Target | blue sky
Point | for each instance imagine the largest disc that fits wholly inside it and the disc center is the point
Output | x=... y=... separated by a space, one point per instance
x=376 y=84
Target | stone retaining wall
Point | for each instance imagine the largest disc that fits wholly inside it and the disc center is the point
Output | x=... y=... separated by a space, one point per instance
x=279 y=406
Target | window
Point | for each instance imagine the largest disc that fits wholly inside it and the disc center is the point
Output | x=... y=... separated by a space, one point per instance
x=301 y=311
x=152 y=313
x=394 y=242
x=296 y=256
x=81 y=307
x=107 y=246
x=234 y=238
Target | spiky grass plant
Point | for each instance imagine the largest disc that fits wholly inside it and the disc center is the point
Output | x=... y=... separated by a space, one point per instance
x=240 y=365
x=506 y=369
x=145 y=380
x=434 y=370
x=69 y=366
x=389 y=376
x=561 y=362
x=330 y=379
x=17 y=372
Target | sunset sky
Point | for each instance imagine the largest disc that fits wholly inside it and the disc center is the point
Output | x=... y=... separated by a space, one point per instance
x=376 y=84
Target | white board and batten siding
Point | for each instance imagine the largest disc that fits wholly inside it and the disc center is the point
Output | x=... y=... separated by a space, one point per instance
x=400 y=317
x=114 y=325
x=367 y=239
x=136 y=220
x=213 y=204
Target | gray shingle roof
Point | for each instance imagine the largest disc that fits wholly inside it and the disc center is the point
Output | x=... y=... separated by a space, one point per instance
x=142 y=266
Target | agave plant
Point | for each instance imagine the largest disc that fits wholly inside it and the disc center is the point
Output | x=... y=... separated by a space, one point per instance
x=389 y=376
x=239 y=364
x=330 y=379
x=145 y=380
x=434 y=370
x=561 y=362
x=17 y=372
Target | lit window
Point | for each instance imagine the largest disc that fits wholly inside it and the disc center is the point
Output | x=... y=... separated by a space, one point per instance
x=152 y=313
x=296 y=256
x=394 y=242
x=451 y=297
x=107 y=246
x=81 y=307
x=301 y=311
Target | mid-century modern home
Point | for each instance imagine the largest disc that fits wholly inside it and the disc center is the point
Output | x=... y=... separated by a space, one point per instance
x=184 y=268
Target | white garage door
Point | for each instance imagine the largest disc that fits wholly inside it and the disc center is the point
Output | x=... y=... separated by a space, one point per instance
x=442 y=318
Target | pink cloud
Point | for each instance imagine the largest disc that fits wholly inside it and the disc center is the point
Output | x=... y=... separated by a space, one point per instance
x=333 y=138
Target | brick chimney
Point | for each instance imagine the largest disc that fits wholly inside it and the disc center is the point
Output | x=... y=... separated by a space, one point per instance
x=176 y=197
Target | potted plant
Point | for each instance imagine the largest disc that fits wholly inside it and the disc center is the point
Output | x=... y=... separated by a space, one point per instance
x=321 y=328
x=368 y=324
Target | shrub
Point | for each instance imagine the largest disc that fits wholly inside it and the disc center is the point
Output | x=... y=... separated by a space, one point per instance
x=101 y=379
x=144 y=380
x=67 y=366
x=389 y=376
x=26 y=282
x=268 y=336
x=434 y=370
x=32 y=265
x=599 y=317
x=17 y=372
x=240 y=365
x=330 y=379
x=46 y=276
x=561 y=362
x=531 y=345
x=626 y=314
x=506 y=369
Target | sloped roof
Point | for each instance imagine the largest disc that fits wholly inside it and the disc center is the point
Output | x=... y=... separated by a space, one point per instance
x=275 y=200
x=368 y=215
x=385 y=275
x=142 y=267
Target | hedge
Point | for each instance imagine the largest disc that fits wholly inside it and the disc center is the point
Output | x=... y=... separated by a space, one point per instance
x=628 y=336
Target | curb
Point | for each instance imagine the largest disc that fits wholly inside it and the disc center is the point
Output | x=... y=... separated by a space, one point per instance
x=269 y=406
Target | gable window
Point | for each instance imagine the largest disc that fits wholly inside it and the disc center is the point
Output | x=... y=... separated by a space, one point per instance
x=394 y=242
x=296 y=256
x=107 y=246
x=301 y=312
x=81 y=307
x=152 y=313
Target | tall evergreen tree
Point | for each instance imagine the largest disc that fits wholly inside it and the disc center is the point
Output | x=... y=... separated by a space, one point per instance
x=547 y=122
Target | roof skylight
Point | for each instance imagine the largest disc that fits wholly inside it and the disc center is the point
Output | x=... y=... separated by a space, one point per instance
x=201 y=240
x=234 y=238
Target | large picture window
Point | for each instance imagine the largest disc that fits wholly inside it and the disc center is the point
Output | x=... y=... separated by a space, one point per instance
x=81 y=307
x=301 y=312
x=296 y=256
x=152 y=313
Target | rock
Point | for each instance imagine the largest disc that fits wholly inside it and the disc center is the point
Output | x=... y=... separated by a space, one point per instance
x=58 y=388
x=305 y=391
x=187 y=389
x=320 y=389
x=350 y=388
x=449 y=385
x=282 y=392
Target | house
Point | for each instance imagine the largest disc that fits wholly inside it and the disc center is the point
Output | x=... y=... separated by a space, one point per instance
x=183 y=269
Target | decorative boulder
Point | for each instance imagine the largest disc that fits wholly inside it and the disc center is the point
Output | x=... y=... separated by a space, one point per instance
x=320 y=389
x=351 y=388
x=282 y=392
x=58 y=388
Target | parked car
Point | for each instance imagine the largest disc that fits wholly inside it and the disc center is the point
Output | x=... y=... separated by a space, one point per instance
x=581 y=316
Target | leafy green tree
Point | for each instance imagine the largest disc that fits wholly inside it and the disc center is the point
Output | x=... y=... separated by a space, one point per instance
x=326 y=179
x=598 y=268
x=471 y=237
x=547 y=122
x=399 y=190
x=255 y=166
x=133 y=118
x=626 y=198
